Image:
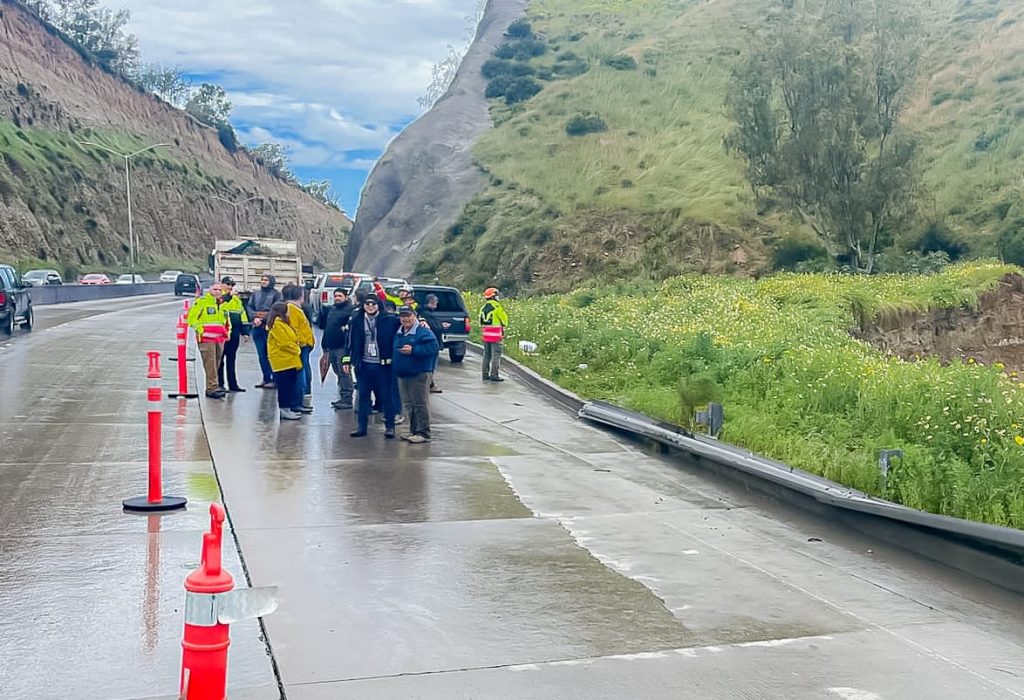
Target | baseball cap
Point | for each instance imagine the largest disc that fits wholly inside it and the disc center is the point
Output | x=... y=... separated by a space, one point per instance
x=406 y=310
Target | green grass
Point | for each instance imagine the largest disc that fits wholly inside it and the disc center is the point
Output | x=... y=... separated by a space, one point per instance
x=661 y=160
x=795 y=384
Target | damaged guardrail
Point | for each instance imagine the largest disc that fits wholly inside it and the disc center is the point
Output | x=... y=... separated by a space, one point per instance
x=1001 y=548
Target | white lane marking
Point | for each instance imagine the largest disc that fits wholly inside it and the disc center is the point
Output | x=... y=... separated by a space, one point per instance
x=836 y=606
x=687 y=652
x=854 y=694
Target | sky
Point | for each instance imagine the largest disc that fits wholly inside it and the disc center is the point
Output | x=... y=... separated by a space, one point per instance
x=332 y=80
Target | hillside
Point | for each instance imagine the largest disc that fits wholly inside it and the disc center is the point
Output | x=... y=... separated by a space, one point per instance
x=64 y=204
x=656 y=192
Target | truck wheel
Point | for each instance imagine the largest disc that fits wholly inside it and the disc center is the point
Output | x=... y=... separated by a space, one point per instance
x=457 y=353
x=26 y=325
x=8 y=326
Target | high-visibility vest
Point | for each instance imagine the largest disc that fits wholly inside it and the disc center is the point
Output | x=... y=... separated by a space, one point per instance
x=493 y=320
x=209 y=320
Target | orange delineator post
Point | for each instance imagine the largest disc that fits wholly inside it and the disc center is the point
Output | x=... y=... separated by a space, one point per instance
x=205 y=641
x=181 y=335
x=154 y=499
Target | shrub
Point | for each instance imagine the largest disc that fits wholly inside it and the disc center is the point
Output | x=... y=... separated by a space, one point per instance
x=570 y=69
x=941 y=96
x=621 y=62
x=937 y=237
x=793 y=250
x=496 y=67
x=521 y=89
x=227 y=137
x=521 y=49
x=567 y=56
x=519 y=29
x=583 y=124
x=498 y=87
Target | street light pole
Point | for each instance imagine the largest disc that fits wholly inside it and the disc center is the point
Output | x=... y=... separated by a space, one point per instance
x=235 y=206
x=128 y=189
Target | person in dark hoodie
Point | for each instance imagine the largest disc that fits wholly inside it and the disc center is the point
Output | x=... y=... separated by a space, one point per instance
x=371 y=343
x=335 y=345
x=260 y=303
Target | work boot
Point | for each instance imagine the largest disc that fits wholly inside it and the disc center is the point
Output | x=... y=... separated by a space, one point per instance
x=289 y=415
x=389 y=433
x=237 y=390
x=307 y=401
x=357 y=433
x=497 y=379
x=215 y=394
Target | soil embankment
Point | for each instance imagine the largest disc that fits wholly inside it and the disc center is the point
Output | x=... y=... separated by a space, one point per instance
x=992 y=332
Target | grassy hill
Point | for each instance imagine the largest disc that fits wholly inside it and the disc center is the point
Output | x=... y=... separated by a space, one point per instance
x=655 y=192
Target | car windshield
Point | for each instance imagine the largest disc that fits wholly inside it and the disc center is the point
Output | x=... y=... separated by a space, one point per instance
x=35 y=275
x=448 y=300
x=94 y=277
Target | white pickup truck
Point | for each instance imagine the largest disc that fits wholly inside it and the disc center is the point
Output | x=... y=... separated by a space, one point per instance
x=248 y=260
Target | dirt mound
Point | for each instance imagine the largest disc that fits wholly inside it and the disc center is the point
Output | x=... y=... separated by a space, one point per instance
x=992 y=332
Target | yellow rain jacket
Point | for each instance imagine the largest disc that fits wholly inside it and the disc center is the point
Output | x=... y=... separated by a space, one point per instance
x=283 y=347
x=297 y=320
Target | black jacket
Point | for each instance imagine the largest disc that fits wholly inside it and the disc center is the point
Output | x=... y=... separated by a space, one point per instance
x=387 y=328
x=336 y=329
x=433 y=321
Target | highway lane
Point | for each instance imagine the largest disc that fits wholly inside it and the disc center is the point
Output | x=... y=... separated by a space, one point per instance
x=522 y=554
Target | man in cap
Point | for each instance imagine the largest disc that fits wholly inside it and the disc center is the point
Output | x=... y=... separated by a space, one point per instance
x=414 y=352
x=335 y=344
x=239 y=328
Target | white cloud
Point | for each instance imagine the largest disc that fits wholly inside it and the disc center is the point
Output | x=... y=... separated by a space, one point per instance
x=367 y=59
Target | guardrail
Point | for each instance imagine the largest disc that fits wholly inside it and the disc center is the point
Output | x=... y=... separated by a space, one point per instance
x=991 y=553
x=65 y=293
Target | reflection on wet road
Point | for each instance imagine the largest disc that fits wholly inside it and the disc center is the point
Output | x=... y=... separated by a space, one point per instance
x=522 y=554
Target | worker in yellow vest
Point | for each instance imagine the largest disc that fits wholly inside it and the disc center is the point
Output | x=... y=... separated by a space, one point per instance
x=209 y=318
x=493 y=321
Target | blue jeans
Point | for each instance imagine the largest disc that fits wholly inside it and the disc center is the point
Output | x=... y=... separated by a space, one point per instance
x=376 y=379
x=259 y=339
x=306 y=383
x=287 y=388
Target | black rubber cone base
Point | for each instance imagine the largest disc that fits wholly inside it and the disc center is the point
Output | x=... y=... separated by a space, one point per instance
x=141 y=504
x=183 y=396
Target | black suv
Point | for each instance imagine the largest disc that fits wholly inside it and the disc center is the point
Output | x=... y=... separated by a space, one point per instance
x=187 y=285
x=15 y=303
x=451 y=312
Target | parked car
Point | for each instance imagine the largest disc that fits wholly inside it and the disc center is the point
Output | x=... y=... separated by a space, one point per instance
x=15 y=302
x=38 y=278
x=95 y=278
x=170 y=275
x=187 y=285
x=130 y=279
x=322 y=295
x=451 y=311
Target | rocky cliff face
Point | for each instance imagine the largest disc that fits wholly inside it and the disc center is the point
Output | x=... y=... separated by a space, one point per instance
x=427 y=174
x=65 y=203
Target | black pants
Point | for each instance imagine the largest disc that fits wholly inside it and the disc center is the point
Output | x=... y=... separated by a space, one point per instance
x=230 y=360
x=376 y=379
x=288 y=393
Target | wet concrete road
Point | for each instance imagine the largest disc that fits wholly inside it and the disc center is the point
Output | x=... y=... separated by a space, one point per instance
x=90 y=598
x=522 y=554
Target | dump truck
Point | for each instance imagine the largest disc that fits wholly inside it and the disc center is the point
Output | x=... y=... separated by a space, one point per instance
x=249 y=259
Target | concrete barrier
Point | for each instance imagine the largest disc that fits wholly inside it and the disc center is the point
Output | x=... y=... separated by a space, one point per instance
x=65 y=293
